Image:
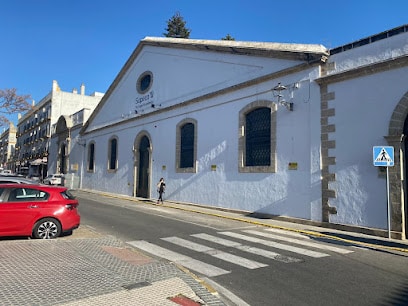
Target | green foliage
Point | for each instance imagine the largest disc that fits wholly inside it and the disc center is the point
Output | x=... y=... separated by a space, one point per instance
x=228 y=37
x=176 y=27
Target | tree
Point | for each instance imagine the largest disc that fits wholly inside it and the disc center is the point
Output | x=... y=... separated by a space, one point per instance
x=11 y=103
x=228 y=37
x=176 y=27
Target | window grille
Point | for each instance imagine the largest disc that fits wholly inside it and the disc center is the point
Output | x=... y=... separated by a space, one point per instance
x=187 y=146
x=258 y=137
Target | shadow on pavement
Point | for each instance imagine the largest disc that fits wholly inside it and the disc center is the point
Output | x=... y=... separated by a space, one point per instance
x=399 y=296
x=368 y=240
x=14 y=238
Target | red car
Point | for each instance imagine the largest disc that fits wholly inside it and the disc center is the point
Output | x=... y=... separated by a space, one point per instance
x=37 y=211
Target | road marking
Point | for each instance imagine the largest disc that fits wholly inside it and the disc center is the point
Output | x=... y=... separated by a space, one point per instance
x=287 y=233
x=247 y=248
x=238 y=260
x=301 y=242
x=189 y=245
x=276 y=245
x=218 y=240
x=188 y=262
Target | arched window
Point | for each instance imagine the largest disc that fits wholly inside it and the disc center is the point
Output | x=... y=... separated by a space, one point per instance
x=258 y=137
x=91 y=157
x=113 y=154
x=186 y=148
x=257 y=142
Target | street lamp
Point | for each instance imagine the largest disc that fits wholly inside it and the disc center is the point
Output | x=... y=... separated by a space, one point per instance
x=277 y=92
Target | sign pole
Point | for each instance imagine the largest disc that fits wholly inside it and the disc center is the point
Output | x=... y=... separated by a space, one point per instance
x=383 y=156
x=388 y=206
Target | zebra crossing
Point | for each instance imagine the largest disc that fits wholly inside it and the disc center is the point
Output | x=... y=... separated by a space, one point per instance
x=267 y=239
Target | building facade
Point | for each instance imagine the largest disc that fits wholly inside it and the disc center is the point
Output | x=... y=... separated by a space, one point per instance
x=285 y=130
x=34 y=128
x=7 y=147
x=66 y=142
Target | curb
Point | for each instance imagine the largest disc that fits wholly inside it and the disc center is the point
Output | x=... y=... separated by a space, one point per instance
x=306 y=232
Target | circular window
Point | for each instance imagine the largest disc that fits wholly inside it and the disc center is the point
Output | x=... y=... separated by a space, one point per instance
x=144 y=82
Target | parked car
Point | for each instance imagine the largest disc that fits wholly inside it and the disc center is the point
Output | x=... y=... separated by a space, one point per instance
x=16 y=179
x=37 y=211
x=54 y=179
x=34 y=177
x=6 y=172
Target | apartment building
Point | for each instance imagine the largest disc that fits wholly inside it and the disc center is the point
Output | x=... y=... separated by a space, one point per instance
x=7 y=145
x=34 y=128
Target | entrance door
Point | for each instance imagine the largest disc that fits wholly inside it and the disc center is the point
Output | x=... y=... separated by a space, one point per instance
x=143 y=168
x=63 y=161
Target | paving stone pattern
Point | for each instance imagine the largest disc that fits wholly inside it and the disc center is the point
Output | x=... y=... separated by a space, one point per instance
x=64 y=271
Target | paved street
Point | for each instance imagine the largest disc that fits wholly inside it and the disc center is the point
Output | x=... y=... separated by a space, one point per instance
x=257 y=259
x=91 y=268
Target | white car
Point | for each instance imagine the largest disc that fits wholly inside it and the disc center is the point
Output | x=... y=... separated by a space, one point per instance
x=54 y=179
x=6 y=172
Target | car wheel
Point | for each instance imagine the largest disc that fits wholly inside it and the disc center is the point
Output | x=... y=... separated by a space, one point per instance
x=47 y=228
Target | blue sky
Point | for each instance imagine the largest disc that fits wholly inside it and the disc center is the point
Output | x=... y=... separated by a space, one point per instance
x=87 y=41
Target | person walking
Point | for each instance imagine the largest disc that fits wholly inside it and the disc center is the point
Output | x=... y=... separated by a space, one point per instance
x=161 y=186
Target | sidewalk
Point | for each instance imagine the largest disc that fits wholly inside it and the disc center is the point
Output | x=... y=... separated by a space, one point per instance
x=87 y=268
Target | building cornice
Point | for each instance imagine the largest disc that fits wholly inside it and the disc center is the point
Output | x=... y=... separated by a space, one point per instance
x=392 y=63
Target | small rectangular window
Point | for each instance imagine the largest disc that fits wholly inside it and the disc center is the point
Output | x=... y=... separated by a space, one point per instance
x=113 y=154
x=91 y=157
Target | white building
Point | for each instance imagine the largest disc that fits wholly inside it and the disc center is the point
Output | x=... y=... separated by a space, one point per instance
x=64 y=143
x=280 y=129
x=7 y=147
x=34 y=128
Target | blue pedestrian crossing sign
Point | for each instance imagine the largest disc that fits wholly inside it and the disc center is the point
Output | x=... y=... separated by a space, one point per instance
x=383 y=156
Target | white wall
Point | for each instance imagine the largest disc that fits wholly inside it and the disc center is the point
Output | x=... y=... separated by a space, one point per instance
x=66 y=103
x=180 y=75
x=287 y=192
x=363 y=110
x=363 y=107
x=76 y=159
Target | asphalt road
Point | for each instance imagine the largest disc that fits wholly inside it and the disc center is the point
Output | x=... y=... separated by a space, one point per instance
x=356 y=276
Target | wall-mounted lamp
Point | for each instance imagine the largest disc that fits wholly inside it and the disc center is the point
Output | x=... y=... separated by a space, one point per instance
x=277 y=92
x=288 y=105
